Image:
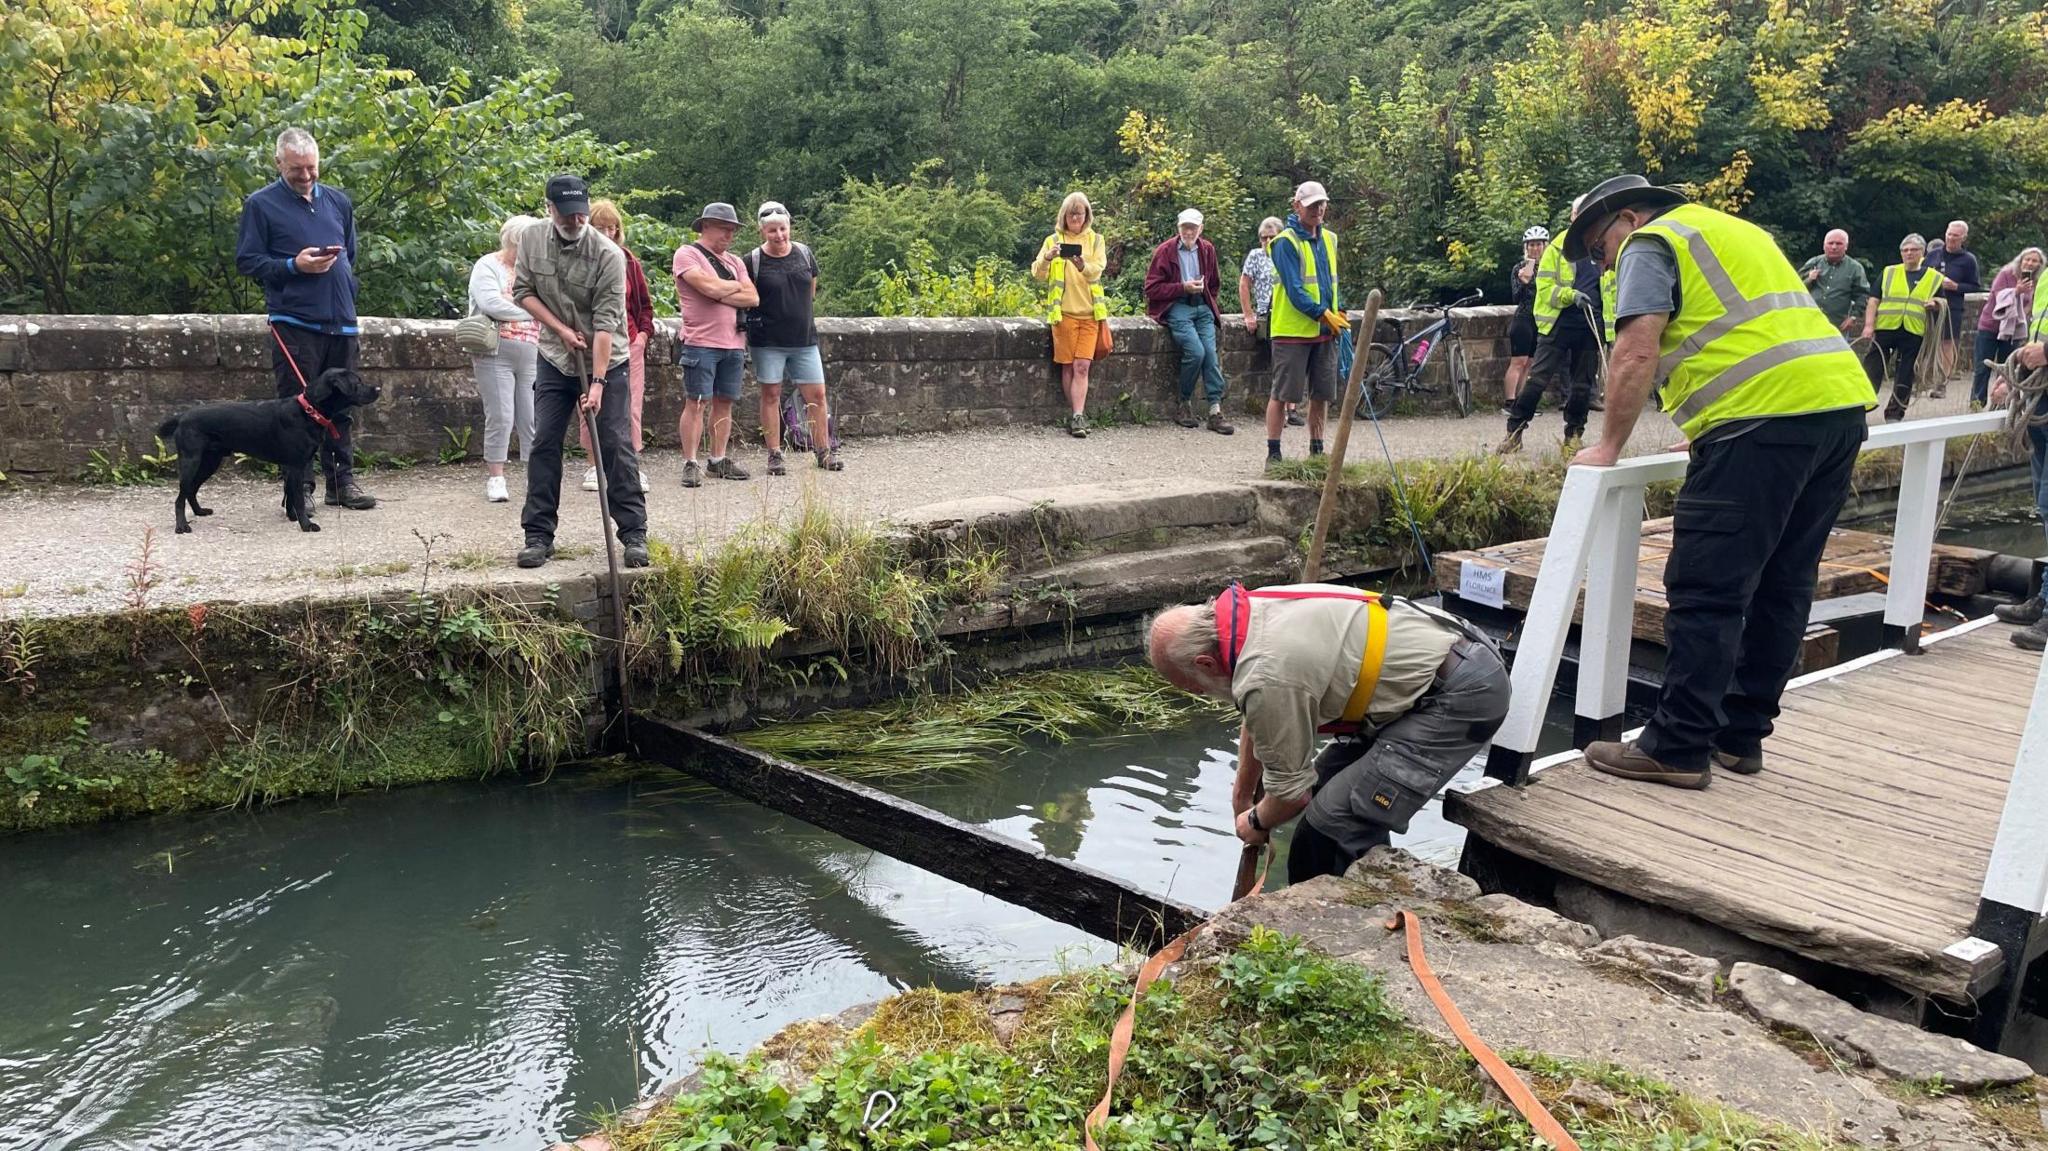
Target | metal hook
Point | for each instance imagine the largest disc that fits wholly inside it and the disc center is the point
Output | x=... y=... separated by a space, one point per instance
x=875 y=1124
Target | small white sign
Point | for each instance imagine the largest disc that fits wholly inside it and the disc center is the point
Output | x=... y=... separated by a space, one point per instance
x=1478 y=583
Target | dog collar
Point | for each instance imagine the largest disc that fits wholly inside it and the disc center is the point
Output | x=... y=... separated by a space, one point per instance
x=314 y=414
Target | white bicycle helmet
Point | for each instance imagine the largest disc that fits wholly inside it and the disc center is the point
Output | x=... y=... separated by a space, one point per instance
x=1538 y=232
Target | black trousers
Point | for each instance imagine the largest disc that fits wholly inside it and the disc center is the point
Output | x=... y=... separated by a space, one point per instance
x=556 y=395
x=1746 y=541
x=1904 y=349
x=315 y=352
x=1566 y=357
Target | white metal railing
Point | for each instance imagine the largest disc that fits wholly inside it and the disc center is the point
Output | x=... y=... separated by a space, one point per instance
x=1595 y=538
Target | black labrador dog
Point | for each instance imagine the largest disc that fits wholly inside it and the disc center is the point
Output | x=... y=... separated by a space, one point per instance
x=286 y=432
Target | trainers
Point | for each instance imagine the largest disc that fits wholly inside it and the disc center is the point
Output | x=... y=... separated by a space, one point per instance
x=494 y=489
x=644 y=485
x=590 y=479
x=1294 y=418
x=1626 y=761
x=2033 y=638
x=1509 y=444
x=2027 y=611
x=1184 y=415
x=1739 y=764
x=535 y=553
x=693 y=475
x=1219 y=425
x=829 y=460
x=350 y=496
x=1077 y=426
x=1597 y=404
x=726 y=469
x=635 y=554
x=775 y=465
x=1940 y=392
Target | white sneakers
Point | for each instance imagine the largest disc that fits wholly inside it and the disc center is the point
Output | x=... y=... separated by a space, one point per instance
x=590 y=480
x=494 y=489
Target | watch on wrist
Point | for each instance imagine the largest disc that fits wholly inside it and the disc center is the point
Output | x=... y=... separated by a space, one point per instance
x=1251 y=816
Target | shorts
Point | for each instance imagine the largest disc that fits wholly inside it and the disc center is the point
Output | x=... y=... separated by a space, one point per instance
x=1305 y=371
x=713 y=371
x=800 y=365
x=1522 y=335
x=1073 y=338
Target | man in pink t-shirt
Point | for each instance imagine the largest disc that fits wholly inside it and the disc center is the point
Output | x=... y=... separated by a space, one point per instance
x=713 y=286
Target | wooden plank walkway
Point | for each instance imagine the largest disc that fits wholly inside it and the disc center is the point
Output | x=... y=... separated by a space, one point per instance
x=1854 y=562
x=1862 y=844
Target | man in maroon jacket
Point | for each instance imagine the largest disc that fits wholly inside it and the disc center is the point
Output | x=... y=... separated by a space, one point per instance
x=1180 y=293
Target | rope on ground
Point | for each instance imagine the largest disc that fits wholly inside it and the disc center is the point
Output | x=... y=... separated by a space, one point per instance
x=1503 y=1076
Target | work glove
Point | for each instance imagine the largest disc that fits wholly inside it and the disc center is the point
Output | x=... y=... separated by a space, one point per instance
x=1336 y=321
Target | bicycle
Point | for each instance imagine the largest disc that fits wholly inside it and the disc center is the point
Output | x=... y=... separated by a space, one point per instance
x=1391 y=371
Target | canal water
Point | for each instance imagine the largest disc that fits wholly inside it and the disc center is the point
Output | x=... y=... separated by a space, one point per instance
x=486 y=965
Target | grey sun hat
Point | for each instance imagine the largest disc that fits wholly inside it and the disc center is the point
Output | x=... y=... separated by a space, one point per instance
x=1608 y=197
x=721 y=213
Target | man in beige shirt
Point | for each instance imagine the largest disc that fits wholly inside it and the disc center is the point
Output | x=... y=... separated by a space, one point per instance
x=1410 y=694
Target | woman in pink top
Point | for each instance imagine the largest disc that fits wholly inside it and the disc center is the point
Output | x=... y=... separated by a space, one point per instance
x=2002 y=323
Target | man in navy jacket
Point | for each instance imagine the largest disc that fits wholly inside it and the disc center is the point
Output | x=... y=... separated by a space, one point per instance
x=299 y=241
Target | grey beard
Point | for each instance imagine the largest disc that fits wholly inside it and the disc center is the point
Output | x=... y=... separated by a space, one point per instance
x=568 y=236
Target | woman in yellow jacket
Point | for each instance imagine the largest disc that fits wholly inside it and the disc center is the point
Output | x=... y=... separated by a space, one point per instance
x=1071 y=262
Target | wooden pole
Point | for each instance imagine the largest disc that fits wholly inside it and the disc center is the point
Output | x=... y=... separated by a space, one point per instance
x=1312 y=567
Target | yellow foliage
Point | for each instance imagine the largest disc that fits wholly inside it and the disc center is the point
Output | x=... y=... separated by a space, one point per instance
x=1729 y=191
x=1668 y=46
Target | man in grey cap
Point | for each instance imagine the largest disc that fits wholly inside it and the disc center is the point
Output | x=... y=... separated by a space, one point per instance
x=713 y=287
x=573 y=280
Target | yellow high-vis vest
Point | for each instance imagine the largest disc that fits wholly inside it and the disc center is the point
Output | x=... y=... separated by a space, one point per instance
x=1284 y=319
x=1554 y=275
x=1902 y=307
x=1056 y=278
x=1607 y=302
x=1747 y=339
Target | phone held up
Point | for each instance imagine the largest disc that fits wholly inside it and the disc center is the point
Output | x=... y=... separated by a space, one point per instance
x=1070 y=251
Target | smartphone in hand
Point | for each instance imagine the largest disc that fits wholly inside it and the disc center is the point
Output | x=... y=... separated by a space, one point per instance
x=1070 y=250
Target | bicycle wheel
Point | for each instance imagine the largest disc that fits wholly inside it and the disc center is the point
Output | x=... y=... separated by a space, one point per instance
x=1377 y=389
x=1459 y=371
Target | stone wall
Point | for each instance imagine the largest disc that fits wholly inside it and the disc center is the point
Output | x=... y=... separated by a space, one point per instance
x=72 y=384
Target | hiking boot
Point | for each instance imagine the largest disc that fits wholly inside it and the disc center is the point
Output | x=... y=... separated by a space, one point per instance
x=535 y=553
x=775 y=465
x=590 y=479
x=1509 y=444
x=635 y=554
x=1077 y=426
x=1294 y=418
x=2024 y=612
x=1940 y=392
x=829 y=460
x=350 y=496
x=726 y=469
x=1628 y=762
x=2033 y=638
x=1574 y=439
x=1218 y=424
x=1184 y=415
x=693 y=475
x=1597 y=404
x=1739 y=764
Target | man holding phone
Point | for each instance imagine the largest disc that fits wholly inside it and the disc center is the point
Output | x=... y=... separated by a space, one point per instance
x=1180 y=293
x=298 y=240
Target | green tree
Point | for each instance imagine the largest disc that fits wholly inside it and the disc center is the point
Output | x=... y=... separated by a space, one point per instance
x=872 y=228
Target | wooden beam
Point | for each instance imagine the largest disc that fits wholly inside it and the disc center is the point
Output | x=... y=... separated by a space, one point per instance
x=1019 y=873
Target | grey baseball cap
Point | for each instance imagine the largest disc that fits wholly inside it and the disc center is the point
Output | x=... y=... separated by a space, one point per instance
x=720 y=213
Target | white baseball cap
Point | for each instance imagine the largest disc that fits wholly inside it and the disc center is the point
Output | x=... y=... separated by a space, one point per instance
x=1191 y=216
x=1310 y=192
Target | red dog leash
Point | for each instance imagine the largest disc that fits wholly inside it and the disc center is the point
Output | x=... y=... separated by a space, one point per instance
x=305 y=405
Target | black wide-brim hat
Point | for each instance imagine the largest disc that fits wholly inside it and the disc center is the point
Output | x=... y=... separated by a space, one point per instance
x=1608 y=197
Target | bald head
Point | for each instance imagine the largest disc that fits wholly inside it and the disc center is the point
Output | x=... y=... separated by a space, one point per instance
x=1181 y=644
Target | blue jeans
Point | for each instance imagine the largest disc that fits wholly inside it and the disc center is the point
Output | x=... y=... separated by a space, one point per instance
x=1193 y=327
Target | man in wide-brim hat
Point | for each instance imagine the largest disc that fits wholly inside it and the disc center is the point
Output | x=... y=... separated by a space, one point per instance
x=1712 y=314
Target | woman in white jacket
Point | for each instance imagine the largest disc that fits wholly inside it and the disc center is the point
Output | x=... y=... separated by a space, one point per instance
x=505 y=378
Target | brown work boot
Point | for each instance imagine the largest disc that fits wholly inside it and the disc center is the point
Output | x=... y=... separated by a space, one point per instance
x=1628 y=762
x=1218 y=424
x=1739 y=764
x=2033 y=638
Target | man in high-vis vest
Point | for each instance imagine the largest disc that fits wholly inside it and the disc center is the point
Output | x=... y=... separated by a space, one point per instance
x=1306 y=318
x=1410 y=693
x=1566 y=346
x=2030 y=356
x=1772 y=401
x=1896 y=319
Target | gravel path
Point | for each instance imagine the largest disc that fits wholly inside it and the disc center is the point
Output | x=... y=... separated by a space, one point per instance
x=66 y=549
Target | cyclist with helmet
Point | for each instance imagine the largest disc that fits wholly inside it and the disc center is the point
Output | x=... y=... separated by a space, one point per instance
x=1522 y=329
